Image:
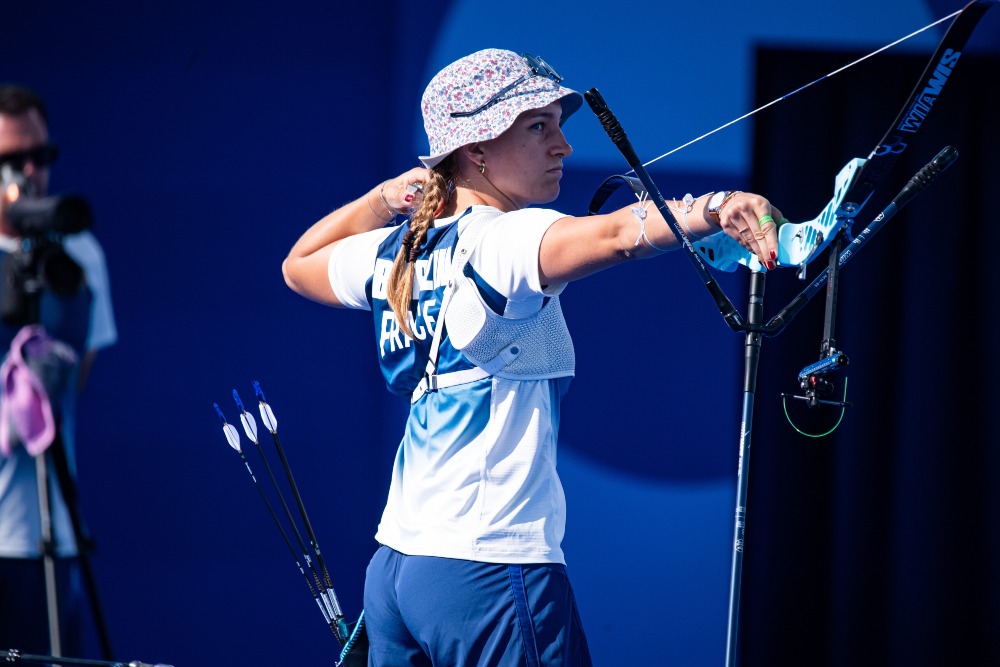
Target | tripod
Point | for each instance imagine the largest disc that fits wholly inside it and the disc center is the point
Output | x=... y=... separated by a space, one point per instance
x=22 y=308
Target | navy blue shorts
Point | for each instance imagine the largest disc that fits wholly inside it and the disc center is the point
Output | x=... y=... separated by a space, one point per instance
x=422 y=610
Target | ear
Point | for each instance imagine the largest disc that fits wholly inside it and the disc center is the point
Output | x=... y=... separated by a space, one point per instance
x=472 y=154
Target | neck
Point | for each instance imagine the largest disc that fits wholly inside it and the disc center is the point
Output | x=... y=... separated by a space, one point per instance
x=481 y=190
x=466 y=197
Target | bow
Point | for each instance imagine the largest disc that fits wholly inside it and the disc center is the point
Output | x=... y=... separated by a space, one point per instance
x=799 y=243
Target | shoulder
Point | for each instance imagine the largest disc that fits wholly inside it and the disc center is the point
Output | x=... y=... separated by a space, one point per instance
x=506 y=256
x=524 y=217
x=86 y=250
x=522 y=229
x=84 y=244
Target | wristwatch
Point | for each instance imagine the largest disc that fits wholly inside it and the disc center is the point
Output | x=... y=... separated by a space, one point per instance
x=713 y=205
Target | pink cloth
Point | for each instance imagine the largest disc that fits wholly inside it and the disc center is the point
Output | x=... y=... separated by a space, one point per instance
x=24 y=402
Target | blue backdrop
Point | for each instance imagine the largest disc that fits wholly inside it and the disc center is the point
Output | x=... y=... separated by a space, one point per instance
x=208 y=136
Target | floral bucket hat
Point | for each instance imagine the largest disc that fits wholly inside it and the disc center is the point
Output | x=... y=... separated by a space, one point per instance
x=476 y=98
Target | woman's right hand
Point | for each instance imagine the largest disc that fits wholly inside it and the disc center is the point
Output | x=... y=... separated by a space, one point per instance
x=404 y=192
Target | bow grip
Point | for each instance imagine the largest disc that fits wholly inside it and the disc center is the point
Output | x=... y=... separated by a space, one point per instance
x=798 y=243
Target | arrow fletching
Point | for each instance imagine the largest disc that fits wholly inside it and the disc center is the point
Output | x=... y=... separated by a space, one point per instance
x=233 y=436
x=266 y=414
x=249 y=424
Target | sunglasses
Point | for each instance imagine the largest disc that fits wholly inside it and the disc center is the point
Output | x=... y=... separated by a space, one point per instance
x=538 y=68
x=40 y=156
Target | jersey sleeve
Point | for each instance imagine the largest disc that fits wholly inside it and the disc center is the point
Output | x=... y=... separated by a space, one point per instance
x=351 y=264
x=507 y=255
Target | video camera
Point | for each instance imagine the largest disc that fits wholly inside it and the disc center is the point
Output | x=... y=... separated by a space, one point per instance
x=40 y=261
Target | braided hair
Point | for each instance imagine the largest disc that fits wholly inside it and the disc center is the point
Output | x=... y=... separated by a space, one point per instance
x=437 y=191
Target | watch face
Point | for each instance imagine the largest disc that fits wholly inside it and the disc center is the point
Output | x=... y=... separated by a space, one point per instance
x=716 y=201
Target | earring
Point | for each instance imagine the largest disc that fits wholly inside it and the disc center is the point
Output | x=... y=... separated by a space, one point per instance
x=482 y=166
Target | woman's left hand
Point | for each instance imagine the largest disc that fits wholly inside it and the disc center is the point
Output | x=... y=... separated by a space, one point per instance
x=752 y=221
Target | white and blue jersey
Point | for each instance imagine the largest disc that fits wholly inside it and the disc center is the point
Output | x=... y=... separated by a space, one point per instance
x=475 y=473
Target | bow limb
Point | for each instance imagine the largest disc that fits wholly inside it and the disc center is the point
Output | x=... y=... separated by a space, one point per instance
x=800 y=243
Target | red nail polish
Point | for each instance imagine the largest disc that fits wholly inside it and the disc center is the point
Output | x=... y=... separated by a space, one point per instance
x=774 y=254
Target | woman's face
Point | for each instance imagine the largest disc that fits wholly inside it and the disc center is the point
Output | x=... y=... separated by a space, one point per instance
x=525 y=162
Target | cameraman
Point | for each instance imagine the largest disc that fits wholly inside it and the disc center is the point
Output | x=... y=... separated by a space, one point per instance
x=81 y=319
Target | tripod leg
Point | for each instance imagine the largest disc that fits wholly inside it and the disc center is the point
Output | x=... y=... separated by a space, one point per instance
x=48 y=553
x=82 y=541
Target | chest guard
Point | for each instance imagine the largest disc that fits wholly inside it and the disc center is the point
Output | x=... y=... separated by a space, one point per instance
x=536 y=347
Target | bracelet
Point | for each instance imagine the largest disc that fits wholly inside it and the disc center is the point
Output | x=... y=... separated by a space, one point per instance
x=373 y=211
x=688 y=203
x=381 y=198
x=639 y=211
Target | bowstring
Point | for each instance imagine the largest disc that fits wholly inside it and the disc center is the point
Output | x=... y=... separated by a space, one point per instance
x=801 y=88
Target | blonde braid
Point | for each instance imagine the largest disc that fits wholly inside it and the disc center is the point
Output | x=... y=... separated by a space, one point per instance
x=399 y=291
